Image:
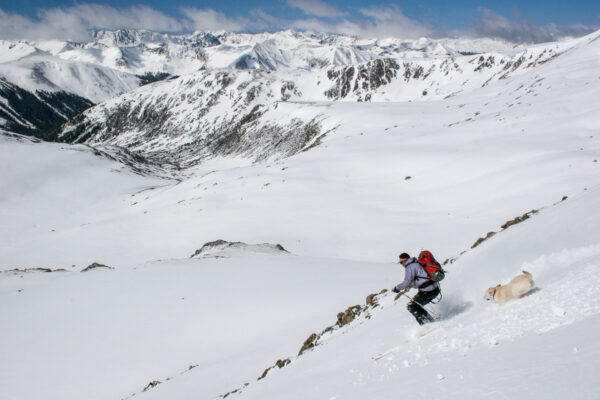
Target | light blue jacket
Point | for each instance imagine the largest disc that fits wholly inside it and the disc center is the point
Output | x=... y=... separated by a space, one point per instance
x=416 y=276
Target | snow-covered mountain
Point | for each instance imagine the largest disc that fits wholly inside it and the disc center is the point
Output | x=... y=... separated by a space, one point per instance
x=40 y=91
x=239 y=111
x=138 y=52
x=495 y=170
x=76 y=74
x=121 y=54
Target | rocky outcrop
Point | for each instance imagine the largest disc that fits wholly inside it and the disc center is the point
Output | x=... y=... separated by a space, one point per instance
x=278 y=364
x=289 y=90
x=18 y=271
x=309 y=343
x=312 y=341
x=508 y=224
x=343 y=318
x=223 y=248
x=372 y=300
x=150 y=77
x=483 y=239
x=519 y=219
x=361 y=79
x=96 y=266
x=151 y=385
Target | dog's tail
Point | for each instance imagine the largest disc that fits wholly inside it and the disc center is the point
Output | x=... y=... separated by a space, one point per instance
x=530 y=277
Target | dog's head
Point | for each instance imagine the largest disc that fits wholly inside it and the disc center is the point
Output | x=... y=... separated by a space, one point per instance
x=491 y=292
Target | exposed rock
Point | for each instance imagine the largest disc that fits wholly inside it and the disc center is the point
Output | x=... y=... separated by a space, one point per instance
x=289 y=89
x=95 y=266
x=481 y=240
x=151 y=385
x=222 y=248
x=309 y=343
x=328 y=329
x=224 y=396
x=449 y=260
x=315 y=62
x=372 y=298
x=150 y=77
x=518 y=220
x=506 y=225
x=345 y=317
x=229 y=393
x=17 y=271
x=282 y=363
x=361 y=79
x=278 y=364
x=138 y=163
x=485 y=63
x=371 y=301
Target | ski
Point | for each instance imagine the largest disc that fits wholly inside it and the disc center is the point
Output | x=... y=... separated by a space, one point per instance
x=385 y=353
x=422 y=332
x=426 y=331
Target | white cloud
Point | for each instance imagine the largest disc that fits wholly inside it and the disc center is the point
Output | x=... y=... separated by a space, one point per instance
x=74 y=22
x=100 y=16
x=316 y=8
x=211 y=20
x=263 y=21
x=491 y=24
x=266 y=17
x=379 y=22
x=15 y=26
x=391 y=21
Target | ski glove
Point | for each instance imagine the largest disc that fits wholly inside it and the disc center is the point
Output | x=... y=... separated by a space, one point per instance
x=395 y=290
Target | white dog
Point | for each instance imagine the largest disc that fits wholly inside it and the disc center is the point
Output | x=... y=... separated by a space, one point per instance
x=519 y=286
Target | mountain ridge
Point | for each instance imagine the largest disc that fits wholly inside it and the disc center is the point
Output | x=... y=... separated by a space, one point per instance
x=115 y=62
x=220 y=112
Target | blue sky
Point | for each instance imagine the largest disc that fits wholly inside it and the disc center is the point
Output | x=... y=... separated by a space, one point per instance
x=525 y=21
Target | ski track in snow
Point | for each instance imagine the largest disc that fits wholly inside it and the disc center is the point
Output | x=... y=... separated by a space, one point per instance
x=468 y=331
x=570 y=299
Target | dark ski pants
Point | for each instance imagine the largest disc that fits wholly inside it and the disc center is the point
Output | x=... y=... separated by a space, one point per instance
x=422 y=298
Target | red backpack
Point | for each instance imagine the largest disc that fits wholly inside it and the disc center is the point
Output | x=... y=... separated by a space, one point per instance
x=432 y=267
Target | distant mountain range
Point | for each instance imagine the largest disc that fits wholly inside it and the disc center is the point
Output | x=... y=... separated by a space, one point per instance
x=221 y=87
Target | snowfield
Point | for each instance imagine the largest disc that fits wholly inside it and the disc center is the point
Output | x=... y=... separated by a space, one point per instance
x=163 y=322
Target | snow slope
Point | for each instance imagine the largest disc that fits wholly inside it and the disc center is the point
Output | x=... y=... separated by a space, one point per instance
x=391 y=177
x=113 y=331
x=536 y=346
x=39 y=92
x=466 y=165
x=46 y=73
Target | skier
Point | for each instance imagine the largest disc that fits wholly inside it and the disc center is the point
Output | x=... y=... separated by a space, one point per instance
x=416 y=276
